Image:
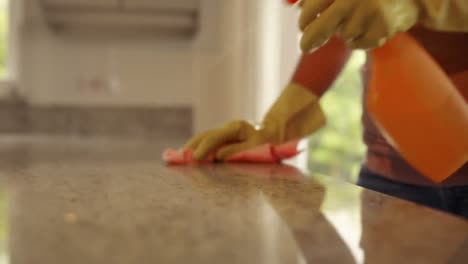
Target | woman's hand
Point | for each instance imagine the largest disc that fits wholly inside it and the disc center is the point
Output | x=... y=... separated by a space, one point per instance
x=363 y=24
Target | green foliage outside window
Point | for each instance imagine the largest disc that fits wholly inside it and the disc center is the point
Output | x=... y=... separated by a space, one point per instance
x=337 y=150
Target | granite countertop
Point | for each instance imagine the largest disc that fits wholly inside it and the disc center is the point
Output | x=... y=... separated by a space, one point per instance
x=94 y=201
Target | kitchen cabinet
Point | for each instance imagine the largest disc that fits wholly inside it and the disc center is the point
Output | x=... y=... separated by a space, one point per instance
x=78 y=4
x=168 y=5
x=173 y=16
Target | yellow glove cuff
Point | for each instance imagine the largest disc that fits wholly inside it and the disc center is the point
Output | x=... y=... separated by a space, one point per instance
x=296 y=114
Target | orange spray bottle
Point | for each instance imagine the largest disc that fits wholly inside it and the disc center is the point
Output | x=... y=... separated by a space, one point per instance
x=418 y=108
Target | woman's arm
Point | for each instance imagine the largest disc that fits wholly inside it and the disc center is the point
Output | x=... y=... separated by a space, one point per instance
x=318 y=70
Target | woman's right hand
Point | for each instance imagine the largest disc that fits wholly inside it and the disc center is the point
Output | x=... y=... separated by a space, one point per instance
x=295 y=114
x=229 y=139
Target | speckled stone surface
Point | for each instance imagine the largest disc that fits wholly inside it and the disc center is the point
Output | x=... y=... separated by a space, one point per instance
x=68 y=200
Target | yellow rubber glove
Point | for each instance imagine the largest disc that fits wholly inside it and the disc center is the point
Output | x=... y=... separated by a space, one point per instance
x=368 y=24
x=445 y=15
x=362 y=23
x=294 y=115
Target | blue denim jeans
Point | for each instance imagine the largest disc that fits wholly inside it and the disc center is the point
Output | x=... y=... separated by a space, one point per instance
x=453 y=200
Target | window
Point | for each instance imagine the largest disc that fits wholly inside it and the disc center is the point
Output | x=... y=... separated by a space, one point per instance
x=338 y=150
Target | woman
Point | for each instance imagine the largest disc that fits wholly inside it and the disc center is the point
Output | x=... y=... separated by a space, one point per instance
x=440 y=26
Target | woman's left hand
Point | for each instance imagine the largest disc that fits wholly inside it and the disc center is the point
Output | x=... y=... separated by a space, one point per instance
x=363 y=24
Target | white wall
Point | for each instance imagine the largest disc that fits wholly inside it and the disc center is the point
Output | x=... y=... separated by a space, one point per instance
x=278 y=50
x=243 y=54
x=289 y=38
x=84 y=69
x=224 y=63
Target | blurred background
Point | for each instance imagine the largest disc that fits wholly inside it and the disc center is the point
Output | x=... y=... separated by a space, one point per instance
x=4 y=26
x=162 y=70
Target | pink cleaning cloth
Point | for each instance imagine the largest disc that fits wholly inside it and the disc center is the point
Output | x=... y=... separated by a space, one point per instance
x=262 y=154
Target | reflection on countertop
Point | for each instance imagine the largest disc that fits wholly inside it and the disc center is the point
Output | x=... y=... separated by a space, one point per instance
x=91 y=201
